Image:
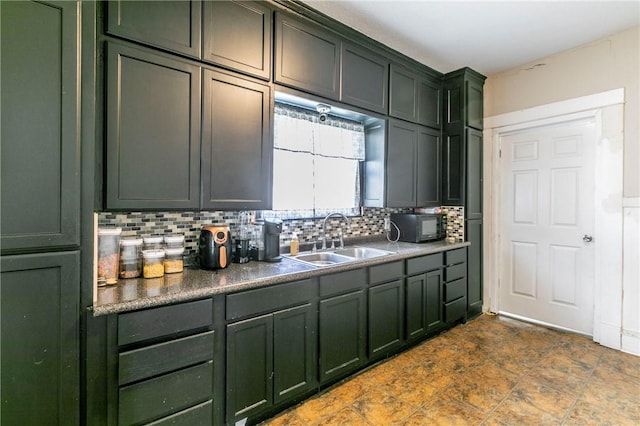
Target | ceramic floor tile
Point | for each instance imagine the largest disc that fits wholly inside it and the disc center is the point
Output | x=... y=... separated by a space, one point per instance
x=587 y=414
x=492 y=371
x=516 y=412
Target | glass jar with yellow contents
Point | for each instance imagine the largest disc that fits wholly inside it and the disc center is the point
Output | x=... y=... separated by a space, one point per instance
x=153 y=263
x=173 y=261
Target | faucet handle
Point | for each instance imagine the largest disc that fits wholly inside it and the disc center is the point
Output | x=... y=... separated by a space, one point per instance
x=333 y=244
x=313 y=246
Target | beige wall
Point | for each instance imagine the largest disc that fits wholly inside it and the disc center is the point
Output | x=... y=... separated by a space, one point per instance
x=610 y=63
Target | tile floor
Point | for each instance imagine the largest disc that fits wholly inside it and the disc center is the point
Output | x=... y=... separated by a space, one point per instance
x=490 y=371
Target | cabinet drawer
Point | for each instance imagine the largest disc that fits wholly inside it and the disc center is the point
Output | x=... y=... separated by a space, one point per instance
x=164 y=357
x=424 y=263
x=385 y=272
x=157 y=322
x=455 y=310
x=342 y=282
x=455 y=272
x=455 y=256
x=454 y=289
x=165 y=395
x=269 y=299
x=199 y=415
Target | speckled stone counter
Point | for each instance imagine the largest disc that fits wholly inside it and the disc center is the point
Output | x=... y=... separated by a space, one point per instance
x=194 y=283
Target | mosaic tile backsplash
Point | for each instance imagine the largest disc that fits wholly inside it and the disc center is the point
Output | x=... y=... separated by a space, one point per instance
x=371 y=223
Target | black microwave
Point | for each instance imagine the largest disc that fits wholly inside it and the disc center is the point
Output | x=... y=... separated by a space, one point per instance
x=418 y=228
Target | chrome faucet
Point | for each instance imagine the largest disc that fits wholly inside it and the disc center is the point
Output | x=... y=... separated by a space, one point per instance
x=324 y=229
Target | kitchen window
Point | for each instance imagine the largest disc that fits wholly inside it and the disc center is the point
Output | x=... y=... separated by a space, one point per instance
x=316 y=163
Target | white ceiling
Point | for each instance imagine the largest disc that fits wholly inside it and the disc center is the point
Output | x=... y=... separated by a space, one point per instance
x=488 y=36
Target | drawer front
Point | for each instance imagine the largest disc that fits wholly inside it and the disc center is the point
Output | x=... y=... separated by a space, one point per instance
x=385 y=272
x=342 y=282
x=455 y=256
x=454 y=289
x=165 y=395
x=455 y=310
x=158 y=359
x=157 y=322
x=424 y=263
x=455 y=272
x=199 y=415
x=269 y=299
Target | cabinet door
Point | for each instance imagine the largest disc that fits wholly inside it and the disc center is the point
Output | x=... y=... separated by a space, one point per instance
x=171 y=25
x=474 y=95
x=433 y=303
x=473 y=232
x=386 y=318
x=39 y=317
x=295 y=354
x=249 y=367
x=430 y=103
x=428 y=168
x=153 y=131
x=364 y=78
x=237 y=35
x=342 y=335
x=401 y=164
x=236 y=143
x=473 y=180
x=40 y=125
x=403 y=91
x=416 y=314
x=454 y=167
x=306 y=57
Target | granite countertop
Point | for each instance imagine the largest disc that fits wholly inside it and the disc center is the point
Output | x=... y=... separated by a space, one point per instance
x=194 y=283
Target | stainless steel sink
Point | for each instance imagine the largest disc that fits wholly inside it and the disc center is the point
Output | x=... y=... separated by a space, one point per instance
x=359 y=253
x=350 y=254
x=322 y=259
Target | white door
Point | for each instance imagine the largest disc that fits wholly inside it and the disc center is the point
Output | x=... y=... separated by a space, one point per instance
x=547 y=192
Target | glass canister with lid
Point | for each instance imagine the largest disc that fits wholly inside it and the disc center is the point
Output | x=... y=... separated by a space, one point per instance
x=108 y=252
x=153 y=242
x=174 y=241
x=173 y=260
x=130 y=257
x=153 y=263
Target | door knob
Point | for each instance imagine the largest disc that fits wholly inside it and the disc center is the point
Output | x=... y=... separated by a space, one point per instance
x=587 y=238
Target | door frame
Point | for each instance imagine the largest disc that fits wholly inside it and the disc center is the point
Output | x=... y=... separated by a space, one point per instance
x=606 y=109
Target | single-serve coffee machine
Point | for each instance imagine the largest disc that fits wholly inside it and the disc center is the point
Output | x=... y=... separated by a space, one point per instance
x=272 y=230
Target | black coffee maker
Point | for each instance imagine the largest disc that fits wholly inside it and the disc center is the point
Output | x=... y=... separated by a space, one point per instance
x=272 y=230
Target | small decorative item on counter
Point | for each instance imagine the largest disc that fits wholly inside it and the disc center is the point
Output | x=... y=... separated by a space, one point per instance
x=174 y=241
x=173 y=260
x=108 y=245
x=153 y=263
x=153 y=242
x=130 y=257
x=295 y=245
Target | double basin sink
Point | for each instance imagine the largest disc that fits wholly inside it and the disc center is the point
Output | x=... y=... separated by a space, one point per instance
x=338 y=256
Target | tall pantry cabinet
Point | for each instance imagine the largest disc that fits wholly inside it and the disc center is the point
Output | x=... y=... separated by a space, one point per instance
x=40 y=212
x=462 y=171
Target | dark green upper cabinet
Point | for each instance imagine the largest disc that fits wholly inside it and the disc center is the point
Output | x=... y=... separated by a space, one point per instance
x=473 y=203
x=464 y=98
x=307 y=57
x=429 y=168
x=153 y=130
x=170 y=25
x=237 y=35
x=40 y=136
x=415 y=97
x=413 y=166
x=364 y=78
x=236 y=143
x=403 y=94
x=454 y=160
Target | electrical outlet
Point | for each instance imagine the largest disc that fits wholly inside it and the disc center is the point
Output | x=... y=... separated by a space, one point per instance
x=387 y=224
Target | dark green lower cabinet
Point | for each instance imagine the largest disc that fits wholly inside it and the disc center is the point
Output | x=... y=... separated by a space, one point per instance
x=424 y=304
x=386 y=318
x=39 y=317
x=271 y=360
x=342 y=331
